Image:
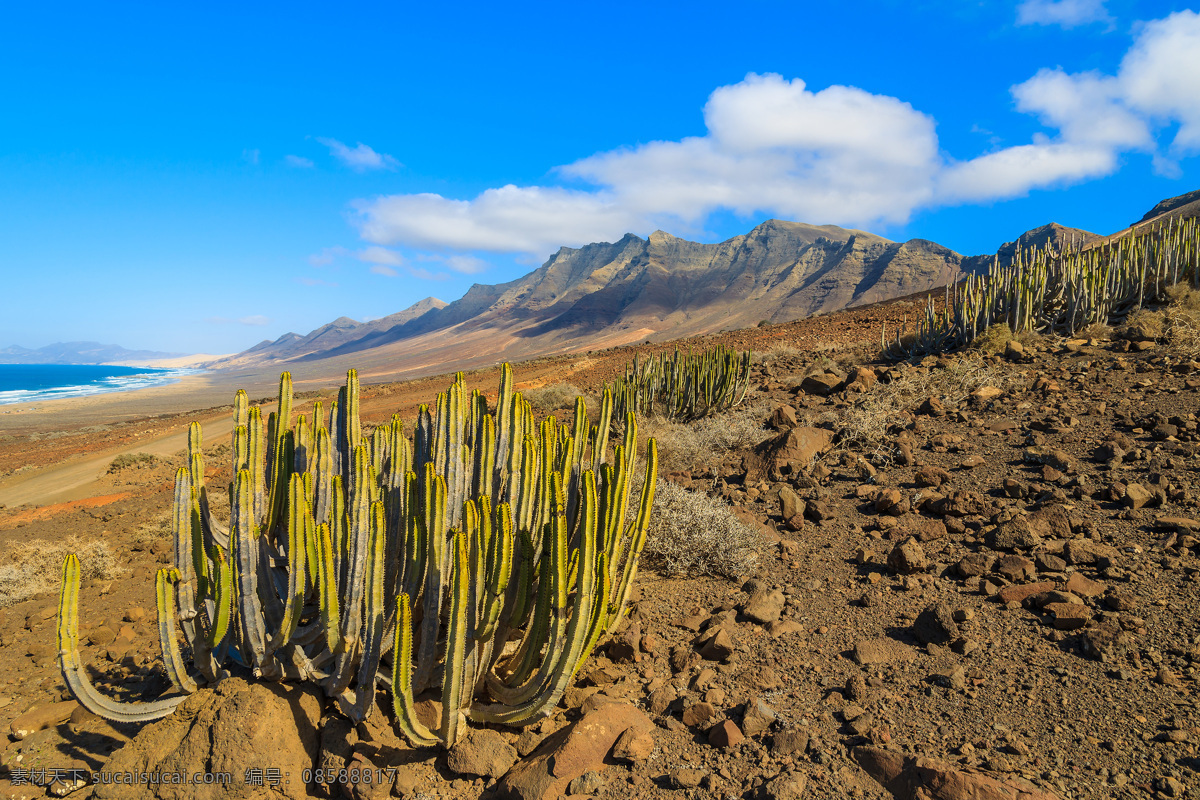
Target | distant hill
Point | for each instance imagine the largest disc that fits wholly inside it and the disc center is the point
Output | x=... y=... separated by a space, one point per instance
x=1059 y=237
x=1184 y=205
x=339 y=332
x=79 y=353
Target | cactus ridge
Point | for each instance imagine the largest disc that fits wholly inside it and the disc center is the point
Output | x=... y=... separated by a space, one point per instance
x=488 y=553
x=682 y=385
x=1056 y=291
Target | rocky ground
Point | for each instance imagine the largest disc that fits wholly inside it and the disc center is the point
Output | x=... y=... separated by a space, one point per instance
x=977 y=579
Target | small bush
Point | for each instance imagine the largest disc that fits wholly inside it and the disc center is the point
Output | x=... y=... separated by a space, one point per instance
x=699 y=444
x=1143 y=324
x=553 y=397
x=36 y=568
x=1182 y=320
x=694 y=534
x=864 y=425
x=778 y=352
x=994 y=339
x=131 y=461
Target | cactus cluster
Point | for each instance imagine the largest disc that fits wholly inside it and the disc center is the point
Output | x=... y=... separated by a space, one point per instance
x=485 y=556
x=683 y=385
x=1048 y=291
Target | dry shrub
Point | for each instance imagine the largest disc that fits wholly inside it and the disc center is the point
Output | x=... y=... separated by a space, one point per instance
x=778 y=353
x=131 y=461
x=1097 y=330
x=994 y=339
x=689 y=446
x=553 y=397
x=37 y=568
x=1181 y=320
x=864 y=425
x=1141 y=325
x=694 y=534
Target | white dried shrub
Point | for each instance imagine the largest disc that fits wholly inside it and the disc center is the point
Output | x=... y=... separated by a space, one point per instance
x=863 y=426
x=695 y=445
x=553 y=397
x=36 y=568
x=694 y=534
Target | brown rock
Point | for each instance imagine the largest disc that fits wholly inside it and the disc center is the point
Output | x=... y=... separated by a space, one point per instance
x=727 y=734
x=931 y=476
x=224 y=729
x=757 y=718
x=783 y=418
x=634 y=745
x=907 y=557
x=1068 y=616
x=1138 y=496
x=764 y=606
x=1015 y=568
x=882 y=651
x=909 y=777
x=1085 y=587
x=568 y=753
x=799 y=446
x=697 y=714
x=789 y=742
x=481 y=752
x=821 y=384
x=936 y=625
x=788 y=786
x=717 y=647
x=1017 y=593
x=41 y=717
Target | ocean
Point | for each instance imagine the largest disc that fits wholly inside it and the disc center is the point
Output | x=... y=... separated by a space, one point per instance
x=24 y=383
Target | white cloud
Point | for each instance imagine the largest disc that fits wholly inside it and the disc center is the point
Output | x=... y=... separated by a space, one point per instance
x=299 y=162
x=1160 y=76
x=1067 y=13
x=838 y=155
x=327 y=256
x=425 y=275
x=315 y=282
x=380 y=255
x=381 y=269
x=359 y=158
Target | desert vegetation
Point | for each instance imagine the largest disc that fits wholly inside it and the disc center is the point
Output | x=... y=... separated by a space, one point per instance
x=489 y=551
x=684 y=385
x=1048 y=291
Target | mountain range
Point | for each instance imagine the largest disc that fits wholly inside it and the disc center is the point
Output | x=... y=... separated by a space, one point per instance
x=78 y=353
x=661 y=287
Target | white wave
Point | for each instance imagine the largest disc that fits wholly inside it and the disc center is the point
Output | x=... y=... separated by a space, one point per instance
x=116 y=383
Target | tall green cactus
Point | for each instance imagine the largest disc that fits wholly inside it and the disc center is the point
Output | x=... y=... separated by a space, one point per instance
x=685 y=385
x=485 y=530
x=1049 y=291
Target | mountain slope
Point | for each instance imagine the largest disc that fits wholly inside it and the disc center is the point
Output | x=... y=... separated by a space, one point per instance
x=659 y=287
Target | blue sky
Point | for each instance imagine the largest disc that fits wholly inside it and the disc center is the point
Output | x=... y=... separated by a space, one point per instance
x=197 y=179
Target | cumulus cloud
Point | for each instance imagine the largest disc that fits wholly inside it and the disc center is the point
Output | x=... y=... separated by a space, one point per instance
x=1067 y=13
x=359 y=158
x=300 y=162
x=836 y=155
